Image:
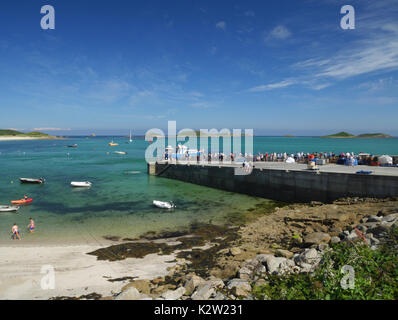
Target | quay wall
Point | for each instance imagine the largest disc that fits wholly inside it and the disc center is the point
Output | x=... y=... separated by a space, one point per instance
x=282 y=185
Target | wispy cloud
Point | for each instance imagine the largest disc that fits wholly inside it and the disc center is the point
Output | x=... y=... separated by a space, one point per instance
x=221 y=25
x=249 y=13
x=202 y=105
x=279 y=32
x=374 y=49
x=272 y=86
x=52 y=129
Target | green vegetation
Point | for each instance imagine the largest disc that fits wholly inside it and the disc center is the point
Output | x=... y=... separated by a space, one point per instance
x=13 y=133
x=376 y=275
x=374 y=135
x=344 y=134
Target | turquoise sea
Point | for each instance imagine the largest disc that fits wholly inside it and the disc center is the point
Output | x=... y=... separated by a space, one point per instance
x=120 y=200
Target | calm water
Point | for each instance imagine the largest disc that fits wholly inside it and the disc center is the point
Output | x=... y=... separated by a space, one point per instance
x=120 y=204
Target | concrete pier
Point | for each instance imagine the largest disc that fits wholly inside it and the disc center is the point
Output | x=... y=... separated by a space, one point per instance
x=286 y=182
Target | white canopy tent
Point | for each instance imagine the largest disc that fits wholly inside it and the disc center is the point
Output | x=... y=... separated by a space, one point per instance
x=385 y=159
x=290 y=160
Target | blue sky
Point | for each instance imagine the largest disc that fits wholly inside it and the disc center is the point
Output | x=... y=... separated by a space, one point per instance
x=275 y=66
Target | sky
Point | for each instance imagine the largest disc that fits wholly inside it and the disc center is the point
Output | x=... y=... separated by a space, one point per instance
x=278 y=67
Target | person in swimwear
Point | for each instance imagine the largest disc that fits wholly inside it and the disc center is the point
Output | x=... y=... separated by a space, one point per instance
x=31 y=225
x=15 y=231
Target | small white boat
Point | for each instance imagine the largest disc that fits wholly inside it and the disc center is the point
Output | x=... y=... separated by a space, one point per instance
x=9 y=208
x=120 y=152
x=85 y=184
x=163 y=204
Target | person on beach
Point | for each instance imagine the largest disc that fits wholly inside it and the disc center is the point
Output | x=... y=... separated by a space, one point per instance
x=31 y=225
x=15 y=232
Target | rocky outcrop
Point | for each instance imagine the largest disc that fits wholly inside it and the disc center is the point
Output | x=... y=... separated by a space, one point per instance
x=298 y=257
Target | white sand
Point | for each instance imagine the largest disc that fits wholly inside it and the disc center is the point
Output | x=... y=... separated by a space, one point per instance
x=25 y=138
x=17 y=138
x=76 y=273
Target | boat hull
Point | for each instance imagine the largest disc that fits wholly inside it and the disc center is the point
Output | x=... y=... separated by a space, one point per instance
x=77 y=184
x=31 y=181
x=163 y=205
x=22 y=201
x=9 y=208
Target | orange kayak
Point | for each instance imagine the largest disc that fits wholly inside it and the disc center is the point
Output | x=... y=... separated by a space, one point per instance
x=22 y=201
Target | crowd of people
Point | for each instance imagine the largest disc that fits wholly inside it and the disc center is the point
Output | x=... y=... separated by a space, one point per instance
x=300 y=157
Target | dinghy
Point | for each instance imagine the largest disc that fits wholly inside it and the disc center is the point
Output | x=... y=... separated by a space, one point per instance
x=120 y=152
x=81 y=184
x=22 y=201
x=9 y=208
x=112 y=144
x=163 y=204
x=29 y=180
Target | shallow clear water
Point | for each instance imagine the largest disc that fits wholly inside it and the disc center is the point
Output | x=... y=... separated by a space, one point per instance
x=120 y=204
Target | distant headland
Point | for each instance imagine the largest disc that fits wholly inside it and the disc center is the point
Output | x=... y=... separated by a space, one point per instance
x=346 y=135
x=9 y=135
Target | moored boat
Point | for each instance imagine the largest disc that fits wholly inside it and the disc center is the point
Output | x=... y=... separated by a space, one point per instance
x=22 y=201
x=112 y=144
x=85 y=184
x=9 y=208
x=163 y=204
x=30 y=180
x=120 y=152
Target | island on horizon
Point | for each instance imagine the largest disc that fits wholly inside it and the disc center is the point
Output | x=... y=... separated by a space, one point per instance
x=10 y=135
x=346 y=135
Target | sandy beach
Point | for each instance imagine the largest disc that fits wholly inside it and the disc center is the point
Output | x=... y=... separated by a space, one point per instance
x=75 y=272
x=26 y=138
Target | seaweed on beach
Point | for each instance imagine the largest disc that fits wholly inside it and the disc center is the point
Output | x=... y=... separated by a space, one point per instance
x=90 y=296
x=200 y=235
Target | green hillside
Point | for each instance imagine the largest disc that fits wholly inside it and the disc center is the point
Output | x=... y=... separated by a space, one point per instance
x=374 y=135
x=344 y=134
x=14 y=133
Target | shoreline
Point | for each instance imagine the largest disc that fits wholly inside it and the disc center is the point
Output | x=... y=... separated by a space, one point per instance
x=167 y=265
x=76 y=272
x=10 y=138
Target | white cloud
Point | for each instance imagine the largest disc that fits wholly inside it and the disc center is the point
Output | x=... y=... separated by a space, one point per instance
x=213 y=50
x=279 y=32
x=221 y=25
x=51 y=129
x=278 y=85
x=202 y=105
x=376 y=50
